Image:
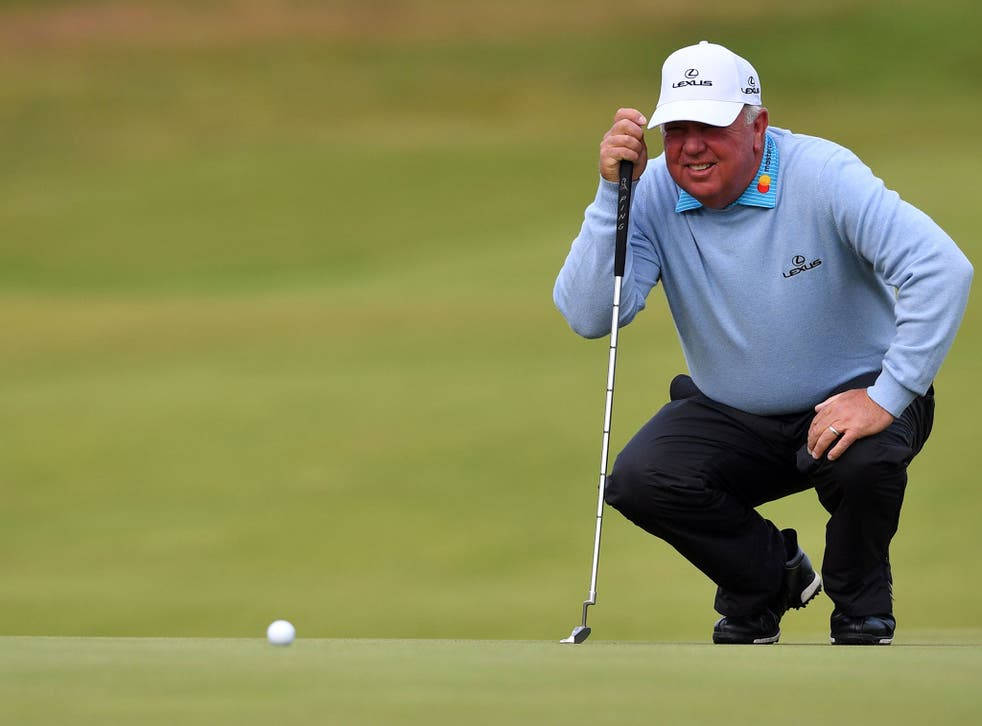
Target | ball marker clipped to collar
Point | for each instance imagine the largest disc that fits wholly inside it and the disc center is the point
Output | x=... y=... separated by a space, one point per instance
x=706 y=83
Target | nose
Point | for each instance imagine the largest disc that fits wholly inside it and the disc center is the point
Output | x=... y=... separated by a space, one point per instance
x=693 y=144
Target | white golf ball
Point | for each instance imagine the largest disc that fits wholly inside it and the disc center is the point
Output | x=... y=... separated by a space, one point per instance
x=281 y=632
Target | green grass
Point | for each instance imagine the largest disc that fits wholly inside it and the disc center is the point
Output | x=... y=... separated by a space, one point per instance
x=246 y=681
x=276 y=336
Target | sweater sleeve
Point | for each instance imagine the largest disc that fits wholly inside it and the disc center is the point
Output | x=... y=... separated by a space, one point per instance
x=912 y=254
x=584 y=291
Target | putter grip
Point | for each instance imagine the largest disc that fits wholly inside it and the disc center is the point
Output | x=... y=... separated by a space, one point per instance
x=623 y=216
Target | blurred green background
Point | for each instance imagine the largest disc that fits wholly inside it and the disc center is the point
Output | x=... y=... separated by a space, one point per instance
x=276 y=330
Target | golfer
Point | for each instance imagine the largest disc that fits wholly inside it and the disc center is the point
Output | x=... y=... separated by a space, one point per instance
x=814 y=308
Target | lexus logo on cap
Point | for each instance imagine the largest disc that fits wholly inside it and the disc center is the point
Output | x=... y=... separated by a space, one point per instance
x=690 y=74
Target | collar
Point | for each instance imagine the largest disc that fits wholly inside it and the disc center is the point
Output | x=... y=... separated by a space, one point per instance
x=762 y=191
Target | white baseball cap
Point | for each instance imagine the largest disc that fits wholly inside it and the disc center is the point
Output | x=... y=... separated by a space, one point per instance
x=706 y=83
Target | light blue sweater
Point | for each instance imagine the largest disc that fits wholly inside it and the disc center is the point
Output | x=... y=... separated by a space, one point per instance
x=790 y=291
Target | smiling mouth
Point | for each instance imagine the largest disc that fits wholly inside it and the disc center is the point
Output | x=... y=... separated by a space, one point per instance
x=700 y=167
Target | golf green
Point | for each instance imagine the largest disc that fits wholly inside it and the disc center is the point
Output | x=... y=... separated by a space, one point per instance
x=246 y=681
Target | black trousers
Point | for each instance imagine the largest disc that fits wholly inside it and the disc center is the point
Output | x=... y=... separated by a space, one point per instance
x=695 y=472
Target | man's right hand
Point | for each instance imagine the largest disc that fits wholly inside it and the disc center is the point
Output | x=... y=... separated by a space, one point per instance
x=625 y=140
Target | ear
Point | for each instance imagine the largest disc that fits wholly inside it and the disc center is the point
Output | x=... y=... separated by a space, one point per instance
x=760 y=126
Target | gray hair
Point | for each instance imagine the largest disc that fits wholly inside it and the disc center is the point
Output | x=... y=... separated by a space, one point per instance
x=750 y=114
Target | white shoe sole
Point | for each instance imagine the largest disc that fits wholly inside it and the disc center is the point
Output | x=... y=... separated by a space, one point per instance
x=809 y=592
x=881 y=641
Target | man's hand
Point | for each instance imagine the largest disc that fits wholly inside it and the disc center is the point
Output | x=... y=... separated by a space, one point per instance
x=853 y=414
x=625 y=140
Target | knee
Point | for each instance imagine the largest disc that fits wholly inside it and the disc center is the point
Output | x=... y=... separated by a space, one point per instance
x=642 y=490
x=624 y=483
x=869 y=469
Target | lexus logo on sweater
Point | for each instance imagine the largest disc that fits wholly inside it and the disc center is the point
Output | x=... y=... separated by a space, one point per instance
x=801 y=266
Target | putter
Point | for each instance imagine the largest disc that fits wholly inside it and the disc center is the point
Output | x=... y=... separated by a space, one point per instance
x=581 y=632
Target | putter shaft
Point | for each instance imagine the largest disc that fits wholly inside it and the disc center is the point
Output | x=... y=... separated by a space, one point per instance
x=581 y=632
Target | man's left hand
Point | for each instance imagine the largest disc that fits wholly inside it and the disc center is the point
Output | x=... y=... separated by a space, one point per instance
x=851 y=414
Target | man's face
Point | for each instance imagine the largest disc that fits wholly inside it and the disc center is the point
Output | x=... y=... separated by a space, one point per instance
x=714 y=163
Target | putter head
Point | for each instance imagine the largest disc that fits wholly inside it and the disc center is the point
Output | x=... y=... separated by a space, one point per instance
x=579 y=634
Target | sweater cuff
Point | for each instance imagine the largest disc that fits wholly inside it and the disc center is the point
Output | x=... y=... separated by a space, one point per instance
x=607 y=193
x=890 y=394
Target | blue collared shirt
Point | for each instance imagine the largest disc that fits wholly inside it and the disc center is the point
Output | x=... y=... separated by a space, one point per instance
x=759 y=193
